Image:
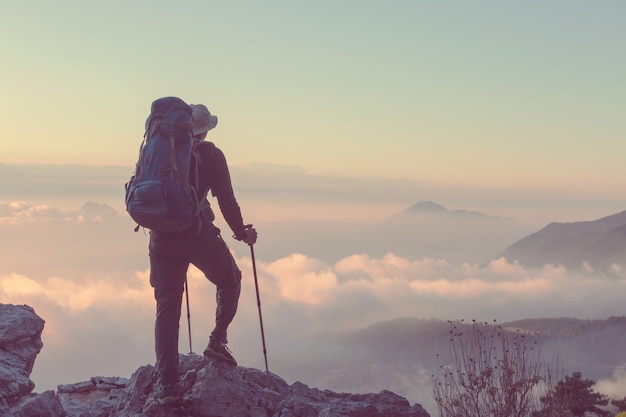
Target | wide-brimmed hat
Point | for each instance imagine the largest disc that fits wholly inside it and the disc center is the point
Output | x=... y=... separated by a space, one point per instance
x=203 y=120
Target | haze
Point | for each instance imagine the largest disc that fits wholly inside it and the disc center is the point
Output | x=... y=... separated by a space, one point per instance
x=85 y=272
x=334 y=116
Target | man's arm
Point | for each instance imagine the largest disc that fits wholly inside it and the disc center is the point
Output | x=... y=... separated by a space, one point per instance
x=222 y=189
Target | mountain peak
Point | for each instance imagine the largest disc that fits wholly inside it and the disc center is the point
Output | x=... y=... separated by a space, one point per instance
x=427 y=207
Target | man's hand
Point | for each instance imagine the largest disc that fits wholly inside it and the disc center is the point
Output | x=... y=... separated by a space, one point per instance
x=251 y=235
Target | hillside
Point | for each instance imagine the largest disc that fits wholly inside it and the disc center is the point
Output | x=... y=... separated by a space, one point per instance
x=596 y=244
x=406 y=351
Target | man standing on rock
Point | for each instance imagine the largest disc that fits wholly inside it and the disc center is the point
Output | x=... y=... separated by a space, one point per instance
x=171 y=253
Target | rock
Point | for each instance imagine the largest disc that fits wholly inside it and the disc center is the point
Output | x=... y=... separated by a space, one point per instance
x=94 y=397
x=38 y=405
x=303 y=401
x=20 y=342
x=212 y=388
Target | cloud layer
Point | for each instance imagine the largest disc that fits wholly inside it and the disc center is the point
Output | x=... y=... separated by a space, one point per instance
x=85 y=272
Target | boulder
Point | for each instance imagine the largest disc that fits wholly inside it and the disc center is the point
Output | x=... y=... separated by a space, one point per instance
x=46 y=404
x=20 y=342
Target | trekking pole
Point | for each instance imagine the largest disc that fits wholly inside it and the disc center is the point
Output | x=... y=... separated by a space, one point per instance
x=188 y=314
x=258 y=300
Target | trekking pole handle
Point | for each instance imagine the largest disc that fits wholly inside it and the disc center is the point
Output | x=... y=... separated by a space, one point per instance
x=251 y=237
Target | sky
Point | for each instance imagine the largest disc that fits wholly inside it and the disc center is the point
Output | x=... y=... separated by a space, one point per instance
x=337 y=111
x=515 y=94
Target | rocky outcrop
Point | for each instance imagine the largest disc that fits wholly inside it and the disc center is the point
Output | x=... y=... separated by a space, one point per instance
x=208 y=388
x=212 y=388
x=20 y=342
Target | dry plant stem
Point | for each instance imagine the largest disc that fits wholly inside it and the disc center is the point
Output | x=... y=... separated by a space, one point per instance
x=491 y=373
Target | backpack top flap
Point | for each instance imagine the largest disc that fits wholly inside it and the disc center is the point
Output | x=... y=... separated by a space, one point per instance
x=171 y=111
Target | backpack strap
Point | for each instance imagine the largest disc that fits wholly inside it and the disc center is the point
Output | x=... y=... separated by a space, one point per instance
x=200 y=200
x=173 y=165
x=195 y=153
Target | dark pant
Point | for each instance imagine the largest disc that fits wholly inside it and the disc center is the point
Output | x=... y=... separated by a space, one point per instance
x=170 y=257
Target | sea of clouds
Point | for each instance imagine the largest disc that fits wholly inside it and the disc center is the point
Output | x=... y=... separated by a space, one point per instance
x=86 y=273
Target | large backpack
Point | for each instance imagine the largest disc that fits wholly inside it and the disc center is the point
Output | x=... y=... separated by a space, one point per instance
x=159 y=196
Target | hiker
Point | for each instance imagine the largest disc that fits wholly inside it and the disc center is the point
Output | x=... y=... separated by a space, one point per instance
x=171 y=253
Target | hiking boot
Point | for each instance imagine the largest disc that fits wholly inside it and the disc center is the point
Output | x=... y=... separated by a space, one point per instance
x=165 y=393
x=218 y=350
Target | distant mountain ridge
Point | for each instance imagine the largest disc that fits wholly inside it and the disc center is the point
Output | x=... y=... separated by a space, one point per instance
x=424 y=230
x=565 y=326
x=597 y=244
